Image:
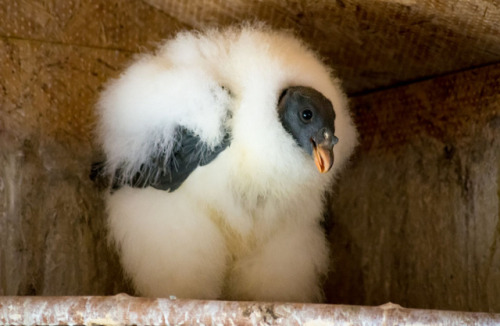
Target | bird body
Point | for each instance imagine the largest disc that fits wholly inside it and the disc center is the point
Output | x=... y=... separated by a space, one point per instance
x=213 y=197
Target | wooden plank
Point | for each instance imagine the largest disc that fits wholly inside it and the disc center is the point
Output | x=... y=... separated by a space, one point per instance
x=52 y=221
x=115 y=24
x=49 y=90
x=125 y=310
x=441 y=108
x=371 y=44
x=416 y=217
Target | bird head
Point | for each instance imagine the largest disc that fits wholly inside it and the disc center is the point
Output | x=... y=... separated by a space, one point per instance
x=309 y=117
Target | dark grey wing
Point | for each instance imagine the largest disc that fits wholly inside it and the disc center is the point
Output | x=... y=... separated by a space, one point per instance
x=168 y=173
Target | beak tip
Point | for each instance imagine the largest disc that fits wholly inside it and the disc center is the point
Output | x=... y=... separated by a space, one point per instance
x=323 y=143
x=323 y=159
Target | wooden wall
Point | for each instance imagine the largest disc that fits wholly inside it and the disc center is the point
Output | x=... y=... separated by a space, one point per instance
x=415 y=219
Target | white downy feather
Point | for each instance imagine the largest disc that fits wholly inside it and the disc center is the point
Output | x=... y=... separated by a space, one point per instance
x=245 y=226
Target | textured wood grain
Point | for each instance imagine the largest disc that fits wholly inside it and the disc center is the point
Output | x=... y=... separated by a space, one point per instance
x=449 y=109
x=416 y=217
x=371 y=44
x=52 y=230
x=125 y=25
x=125 y=310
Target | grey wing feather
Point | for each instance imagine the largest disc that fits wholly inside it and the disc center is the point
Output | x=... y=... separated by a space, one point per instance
x=168 y=173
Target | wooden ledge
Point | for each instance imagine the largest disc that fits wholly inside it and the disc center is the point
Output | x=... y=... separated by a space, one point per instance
x=123 y=309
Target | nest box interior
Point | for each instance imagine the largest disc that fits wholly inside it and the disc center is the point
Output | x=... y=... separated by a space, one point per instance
x=414 y=219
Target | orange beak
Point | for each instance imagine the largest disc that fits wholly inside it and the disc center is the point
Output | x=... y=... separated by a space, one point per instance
x=323 y=157
x=323 y=143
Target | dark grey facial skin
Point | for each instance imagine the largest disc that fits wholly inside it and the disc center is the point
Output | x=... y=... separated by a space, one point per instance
x=309 y=117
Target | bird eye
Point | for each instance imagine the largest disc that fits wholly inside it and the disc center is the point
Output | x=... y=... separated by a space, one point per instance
x=306 y=115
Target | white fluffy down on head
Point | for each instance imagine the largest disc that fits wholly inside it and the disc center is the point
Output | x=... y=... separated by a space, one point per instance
x=195 y=79
x=140 y=111
x=245 y=226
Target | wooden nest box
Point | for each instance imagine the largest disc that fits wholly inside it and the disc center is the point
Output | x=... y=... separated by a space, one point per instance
x=415 y=219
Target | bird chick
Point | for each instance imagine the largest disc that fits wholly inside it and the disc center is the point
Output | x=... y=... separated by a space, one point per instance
x=220 y=147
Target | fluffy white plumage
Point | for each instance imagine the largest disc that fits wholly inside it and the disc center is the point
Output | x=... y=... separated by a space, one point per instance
x=246 y=226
